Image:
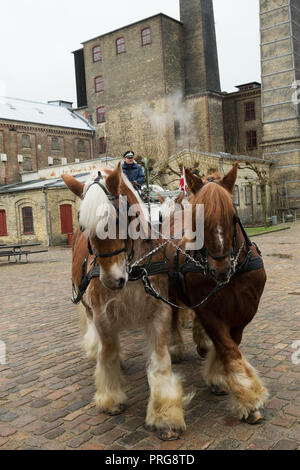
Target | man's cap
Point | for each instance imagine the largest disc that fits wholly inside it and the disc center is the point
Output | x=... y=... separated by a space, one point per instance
x=128 y=154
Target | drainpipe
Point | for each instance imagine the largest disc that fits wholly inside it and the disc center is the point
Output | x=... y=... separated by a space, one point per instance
x=46 y=215
x=92 y=145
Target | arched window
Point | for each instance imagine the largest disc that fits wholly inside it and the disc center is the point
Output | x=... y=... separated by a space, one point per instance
x=66 y=218
x=27 y=216
x=26 y=142
x=55 y=144
x=81 y=146
x=100 y=114
x=27 y=164
x=97 y=54
x=251 y=139
x=3 y=226
x=99 y=84
x=250 y=111
x=120 y=44
x=146 y=36
x=102 y=145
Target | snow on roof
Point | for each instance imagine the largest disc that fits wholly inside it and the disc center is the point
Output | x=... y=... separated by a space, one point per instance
x=15 y=109
x=40 y=184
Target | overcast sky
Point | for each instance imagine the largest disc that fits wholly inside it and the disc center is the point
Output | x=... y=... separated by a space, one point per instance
x=38 y=36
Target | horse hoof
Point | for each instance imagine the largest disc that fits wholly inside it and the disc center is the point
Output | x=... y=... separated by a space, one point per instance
x=149 y=427
x=255 y=417
x=117 y=410
x=216 y=390
x=169 y=435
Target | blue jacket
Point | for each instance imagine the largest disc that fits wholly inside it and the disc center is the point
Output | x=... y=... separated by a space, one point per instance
x=134 y=172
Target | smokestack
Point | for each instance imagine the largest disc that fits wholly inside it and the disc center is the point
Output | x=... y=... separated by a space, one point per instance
x=200 y=47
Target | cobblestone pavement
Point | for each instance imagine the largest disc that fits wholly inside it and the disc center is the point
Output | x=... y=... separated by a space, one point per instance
x=47 y=386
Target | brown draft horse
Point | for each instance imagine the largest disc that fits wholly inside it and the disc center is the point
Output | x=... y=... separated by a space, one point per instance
x=225 y=315
x=112 y=304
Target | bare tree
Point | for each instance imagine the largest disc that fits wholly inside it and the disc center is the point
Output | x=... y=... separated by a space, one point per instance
x=169 y=171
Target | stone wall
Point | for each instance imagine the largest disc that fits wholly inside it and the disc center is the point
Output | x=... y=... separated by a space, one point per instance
x=280 y=52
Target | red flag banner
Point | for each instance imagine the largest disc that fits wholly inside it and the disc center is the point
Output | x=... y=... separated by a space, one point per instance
x=183 y=186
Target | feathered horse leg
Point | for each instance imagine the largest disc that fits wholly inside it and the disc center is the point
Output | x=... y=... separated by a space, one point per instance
x=165 y=407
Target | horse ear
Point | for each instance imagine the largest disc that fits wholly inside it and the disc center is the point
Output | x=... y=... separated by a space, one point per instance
x=73 y=184
x=160 y=198
x=230 y=179
x=194 y=182
x=113 y=181
x=179 y=199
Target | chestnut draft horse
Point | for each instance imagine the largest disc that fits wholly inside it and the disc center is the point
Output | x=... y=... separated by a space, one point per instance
x=228 y=272
x=112 y=304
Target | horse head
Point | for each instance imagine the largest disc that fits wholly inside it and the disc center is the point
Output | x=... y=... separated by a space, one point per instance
x=215 y=193
x=103 y=204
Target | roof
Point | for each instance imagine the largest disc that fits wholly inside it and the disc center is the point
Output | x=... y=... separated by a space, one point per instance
x=40 y=184
x=131 y=24
x=15 y=109
x=220 y=156
x=248 y=86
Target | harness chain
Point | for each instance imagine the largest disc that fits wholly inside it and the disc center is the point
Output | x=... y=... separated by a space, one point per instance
x=234 y=262
x=144 y=274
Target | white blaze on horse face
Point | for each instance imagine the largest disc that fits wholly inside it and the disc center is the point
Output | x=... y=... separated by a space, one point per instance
x=220 y=237
x=116 y=276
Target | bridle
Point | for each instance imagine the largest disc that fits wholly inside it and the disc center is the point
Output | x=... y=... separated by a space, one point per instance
x=204 y=253
x=113 y=200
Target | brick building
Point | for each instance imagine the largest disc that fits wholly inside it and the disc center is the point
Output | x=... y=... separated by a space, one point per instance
x=41 y=208
x=154 y=85
x=37 y=135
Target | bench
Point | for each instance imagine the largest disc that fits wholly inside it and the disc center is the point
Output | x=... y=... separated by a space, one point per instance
x=17 y=254
x=8 y=254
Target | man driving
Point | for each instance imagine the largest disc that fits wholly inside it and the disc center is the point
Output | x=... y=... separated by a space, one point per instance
x=133 y=170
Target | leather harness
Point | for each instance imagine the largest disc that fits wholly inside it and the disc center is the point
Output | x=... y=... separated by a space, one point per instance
x=177 y=276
